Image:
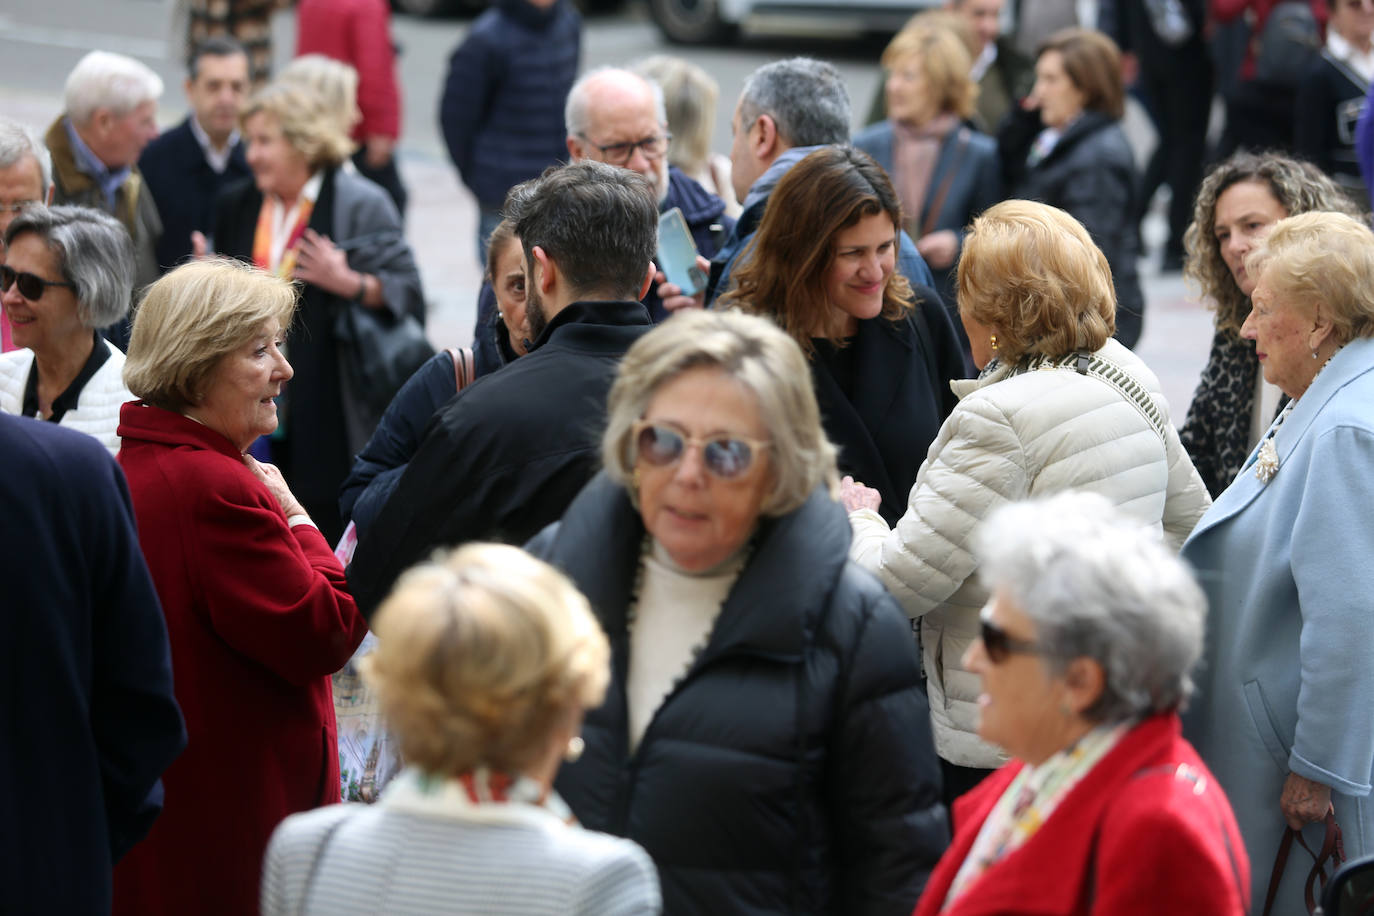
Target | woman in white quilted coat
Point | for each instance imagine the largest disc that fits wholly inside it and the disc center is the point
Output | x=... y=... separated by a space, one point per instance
x=1059 y=405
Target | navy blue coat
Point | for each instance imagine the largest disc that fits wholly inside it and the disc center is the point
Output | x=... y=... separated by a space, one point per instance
x=185 y=189
x=88 y=719
x=502 y=108
x=791 y=769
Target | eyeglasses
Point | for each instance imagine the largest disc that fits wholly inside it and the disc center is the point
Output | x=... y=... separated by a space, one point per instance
x=619 y=153
x=725 y=457
x=31 y=287
x=999 y=645
x=19 y=206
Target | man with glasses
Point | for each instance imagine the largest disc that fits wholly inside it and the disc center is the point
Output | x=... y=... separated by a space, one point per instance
x=25 y=179
x=617 y=117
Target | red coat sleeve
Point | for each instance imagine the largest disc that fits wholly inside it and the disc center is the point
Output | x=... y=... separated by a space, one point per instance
x=1160 y=826
x=274 y=593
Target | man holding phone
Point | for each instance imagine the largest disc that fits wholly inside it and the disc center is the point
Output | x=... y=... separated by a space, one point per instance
x=617 y=117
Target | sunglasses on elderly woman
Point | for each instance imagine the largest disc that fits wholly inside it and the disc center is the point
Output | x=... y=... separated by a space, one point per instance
x=999 y=644
x=724 y=456
x=31 y=287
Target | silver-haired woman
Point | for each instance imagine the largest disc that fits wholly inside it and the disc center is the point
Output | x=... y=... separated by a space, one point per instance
x=485 y=663
x=68 y=273
x=1084 y=658
x=766 y=690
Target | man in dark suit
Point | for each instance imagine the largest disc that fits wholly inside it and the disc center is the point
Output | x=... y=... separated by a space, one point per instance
x=187 y=166
x=86 y=704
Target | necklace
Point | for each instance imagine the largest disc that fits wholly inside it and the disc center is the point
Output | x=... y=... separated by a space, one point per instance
x=1267 y=455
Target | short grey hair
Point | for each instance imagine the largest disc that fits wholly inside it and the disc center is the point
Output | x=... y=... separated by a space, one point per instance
x=806 y=99
x=114 y=82
x=755 y=353
x=94 y=254
x=16 y=142
x=576 y=111
x=1098 y=584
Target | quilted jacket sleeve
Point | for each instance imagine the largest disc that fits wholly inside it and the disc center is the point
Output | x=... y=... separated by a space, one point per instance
x=884 y=782
x=1187 y=498
x=976 y=464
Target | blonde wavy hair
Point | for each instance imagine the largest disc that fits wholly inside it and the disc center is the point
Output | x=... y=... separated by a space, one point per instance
x=1321 y=259
x=481 y=655
x=1032 y=273
x=936 y=40
x=192 y=318
x=1299 y=187
x=308 y=121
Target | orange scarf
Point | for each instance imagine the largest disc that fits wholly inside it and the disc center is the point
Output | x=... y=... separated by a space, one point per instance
x=264 y=236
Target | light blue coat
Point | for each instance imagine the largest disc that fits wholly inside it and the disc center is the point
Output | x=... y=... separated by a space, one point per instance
x=1287 y=677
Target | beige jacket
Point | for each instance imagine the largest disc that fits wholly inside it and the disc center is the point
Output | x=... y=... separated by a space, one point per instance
x=1017 y=434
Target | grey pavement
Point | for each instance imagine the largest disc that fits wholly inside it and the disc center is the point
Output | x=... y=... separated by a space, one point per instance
x=40 y=40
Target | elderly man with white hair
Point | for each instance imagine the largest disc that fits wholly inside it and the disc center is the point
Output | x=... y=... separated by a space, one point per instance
x=25 y=180
x=108 y=118
x=617 y=117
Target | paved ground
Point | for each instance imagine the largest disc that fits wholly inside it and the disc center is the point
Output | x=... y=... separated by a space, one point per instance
x=41 y=39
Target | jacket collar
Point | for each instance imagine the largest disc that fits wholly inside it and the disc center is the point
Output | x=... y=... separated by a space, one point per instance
x=1088 y=123
x=580 y=325
x=1354 y=360
x=796 y=560
x=141 y=421
x=529 y=15
x=696 y=203
x=1070 y=832
x=74 y=183
x=765 y=183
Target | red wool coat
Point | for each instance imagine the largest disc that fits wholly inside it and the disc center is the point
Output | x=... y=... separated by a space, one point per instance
x=258 y=617
x=1133 y=838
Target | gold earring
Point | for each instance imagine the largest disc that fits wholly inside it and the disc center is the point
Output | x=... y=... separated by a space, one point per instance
x=575 y=748
x=634 y=479
x=992 y=341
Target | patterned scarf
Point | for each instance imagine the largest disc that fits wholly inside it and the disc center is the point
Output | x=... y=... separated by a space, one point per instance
x=265 y=235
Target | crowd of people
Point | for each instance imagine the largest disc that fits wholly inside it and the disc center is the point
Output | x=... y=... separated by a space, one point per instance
x=865 y=572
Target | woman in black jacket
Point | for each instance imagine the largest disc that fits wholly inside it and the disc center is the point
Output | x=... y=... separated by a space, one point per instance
x=882 y=352
x=765 y=736
x=1065 y=147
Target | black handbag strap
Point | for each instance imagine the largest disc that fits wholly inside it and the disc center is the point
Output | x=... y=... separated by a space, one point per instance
x=1331 y=853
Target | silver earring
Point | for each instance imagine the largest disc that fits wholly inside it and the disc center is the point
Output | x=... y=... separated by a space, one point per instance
x=575 y=748
x=1314 y=354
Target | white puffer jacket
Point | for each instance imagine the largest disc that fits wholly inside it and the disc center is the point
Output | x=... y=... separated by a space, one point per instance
x=1017 y=434
x=97 y=408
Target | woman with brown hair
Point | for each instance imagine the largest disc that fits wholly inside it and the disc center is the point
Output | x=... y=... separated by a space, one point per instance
x=1066 y=148
x=882 y=353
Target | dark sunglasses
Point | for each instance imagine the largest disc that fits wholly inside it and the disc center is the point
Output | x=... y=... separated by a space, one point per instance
x=31 y=287
x=999 y=645
x=724 y=456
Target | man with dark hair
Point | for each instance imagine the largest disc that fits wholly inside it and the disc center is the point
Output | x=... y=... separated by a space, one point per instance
x=87 y=708
x=507 y=455
x=787 y=109
x=190 y=164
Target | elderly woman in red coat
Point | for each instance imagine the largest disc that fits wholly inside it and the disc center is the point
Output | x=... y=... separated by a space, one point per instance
x=256 y=606
x=1084 y=655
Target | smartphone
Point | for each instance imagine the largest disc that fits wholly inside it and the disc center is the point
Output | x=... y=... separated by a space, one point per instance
x=677 y=253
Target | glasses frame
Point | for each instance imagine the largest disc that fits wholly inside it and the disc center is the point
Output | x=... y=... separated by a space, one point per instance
x=17 y=278
x=18 y=206
x=999 y=645
x=630 y=146
x=756 y=447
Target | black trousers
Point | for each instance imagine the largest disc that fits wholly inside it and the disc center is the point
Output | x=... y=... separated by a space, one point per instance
x=387 y=176
x=1181 y=95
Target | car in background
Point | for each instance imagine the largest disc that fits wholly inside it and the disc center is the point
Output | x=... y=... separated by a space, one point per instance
x=703 y=21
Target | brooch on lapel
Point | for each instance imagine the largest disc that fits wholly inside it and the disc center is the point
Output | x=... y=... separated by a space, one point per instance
x=1267 y=462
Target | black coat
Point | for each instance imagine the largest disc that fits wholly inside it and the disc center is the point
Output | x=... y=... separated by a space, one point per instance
x=901 y=397
x=88 y=719
x=185 y=188
x=506 y=456
x=791 y=770
x=1091 y=173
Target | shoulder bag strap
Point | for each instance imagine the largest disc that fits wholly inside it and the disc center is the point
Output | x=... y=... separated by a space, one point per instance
x=938 y=201
x=1126 y=385
x=463 y=369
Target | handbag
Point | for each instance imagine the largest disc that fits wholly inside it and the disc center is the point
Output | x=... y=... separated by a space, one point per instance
x=378 y=353
x=1330 y=856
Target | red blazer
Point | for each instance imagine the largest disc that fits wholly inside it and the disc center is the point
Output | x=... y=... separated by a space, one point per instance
x=258 y=618
x=1136 y=836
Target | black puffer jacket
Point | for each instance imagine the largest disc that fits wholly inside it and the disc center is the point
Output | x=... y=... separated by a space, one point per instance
x=792 y=769
x=1091 y=173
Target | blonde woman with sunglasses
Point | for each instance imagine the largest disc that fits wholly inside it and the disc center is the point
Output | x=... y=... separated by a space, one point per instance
x=765 y=737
